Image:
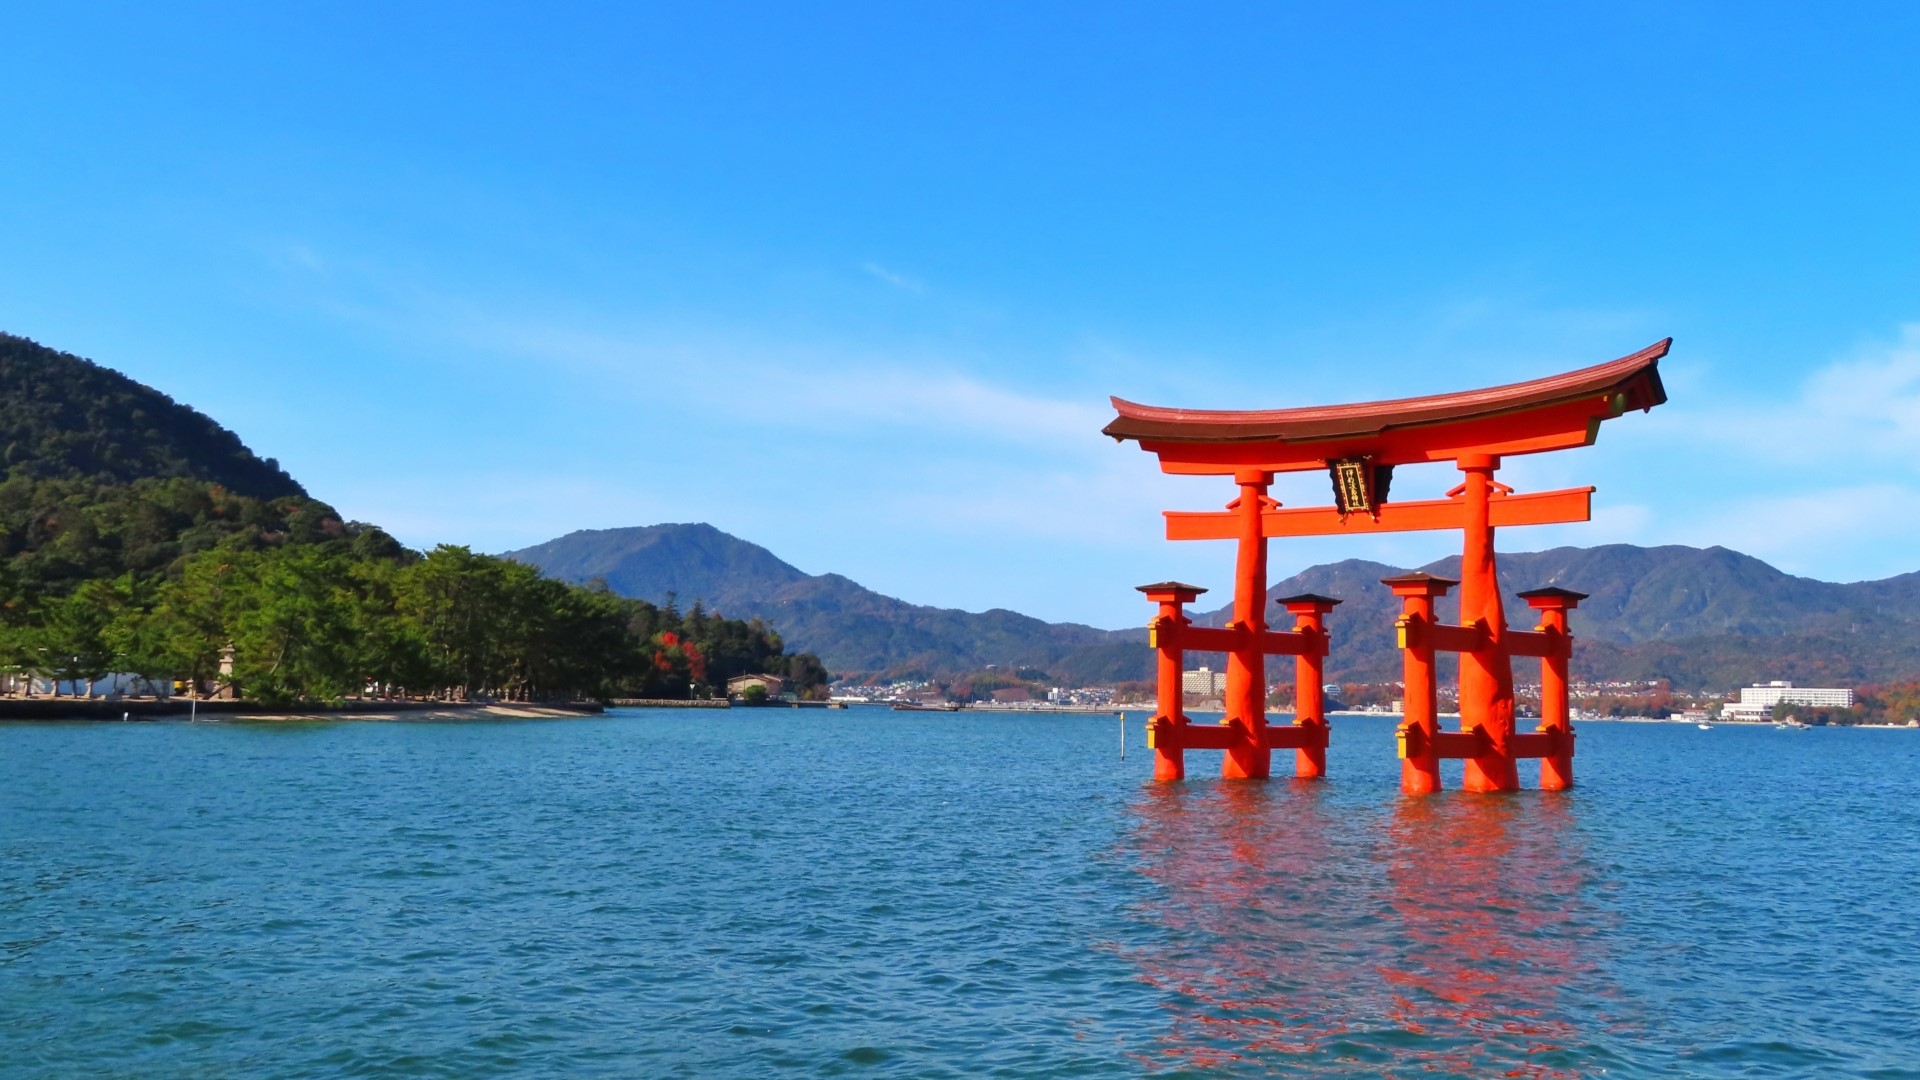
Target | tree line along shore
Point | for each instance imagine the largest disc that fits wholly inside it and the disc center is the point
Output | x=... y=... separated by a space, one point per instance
x=284 y=619
x=138 y=536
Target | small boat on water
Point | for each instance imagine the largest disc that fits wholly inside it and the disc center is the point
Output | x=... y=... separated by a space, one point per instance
x=906 y=706
x=1791 y=725
x=1704 y=726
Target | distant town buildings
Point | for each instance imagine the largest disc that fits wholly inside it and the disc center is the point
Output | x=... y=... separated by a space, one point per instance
x=1202 y=690
x=1095 y=696
x=920 y=691
x=1756 y=702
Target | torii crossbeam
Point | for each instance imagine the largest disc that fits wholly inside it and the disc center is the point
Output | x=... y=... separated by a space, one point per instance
x=1360 y=445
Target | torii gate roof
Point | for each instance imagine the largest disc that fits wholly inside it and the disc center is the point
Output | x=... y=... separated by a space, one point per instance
x=1553 y=413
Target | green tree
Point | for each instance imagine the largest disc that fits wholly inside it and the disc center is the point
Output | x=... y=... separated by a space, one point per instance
x=291 y=620
x=74 y=634
x=458 y=601
x=133 y=636
x=188 y=626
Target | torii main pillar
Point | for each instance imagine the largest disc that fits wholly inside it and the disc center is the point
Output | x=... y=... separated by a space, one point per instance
x=1486 y=673
x=1360 y=446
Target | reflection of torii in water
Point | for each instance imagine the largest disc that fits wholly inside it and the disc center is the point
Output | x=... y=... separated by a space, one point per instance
x=1359 y=445
x=1450 y=936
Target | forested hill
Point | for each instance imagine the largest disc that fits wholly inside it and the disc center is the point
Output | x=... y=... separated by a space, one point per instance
x=693 y=561
x=138 y=536
x=853 y=629
x=66 y=418
x=104 y=476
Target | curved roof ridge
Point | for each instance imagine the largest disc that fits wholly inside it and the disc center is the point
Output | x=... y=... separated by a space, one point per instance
x=1637 y=375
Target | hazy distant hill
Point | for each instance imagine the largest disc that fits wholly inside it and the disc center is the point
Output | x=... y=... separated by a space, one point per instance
x=1702 y=617
x=65 y=418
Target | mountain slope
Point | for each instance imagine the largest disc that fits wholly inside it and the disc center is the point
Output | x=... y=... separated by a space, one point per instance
x=101 y=477
x=65 y=418
x=1702 y=617
x=850 y=627
x=694 y=561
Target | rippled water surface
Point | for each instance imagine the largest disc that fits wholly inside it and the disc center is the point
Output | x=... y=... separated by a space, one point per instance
x=662 y=893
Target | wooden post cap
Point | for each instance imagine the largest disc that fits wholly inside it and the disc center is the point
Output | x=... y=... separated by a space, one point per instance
x=1171 y=592
x=1553 y=598
x=1419 y=583
x=1309 y=603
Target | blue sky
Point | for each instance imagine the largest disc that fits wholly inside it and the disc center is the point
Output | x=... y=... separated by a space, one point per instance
x=854 y=282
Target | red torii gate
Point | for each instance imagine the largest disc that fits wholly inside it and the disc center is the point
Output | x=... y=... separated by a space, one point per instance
x=1359 y=445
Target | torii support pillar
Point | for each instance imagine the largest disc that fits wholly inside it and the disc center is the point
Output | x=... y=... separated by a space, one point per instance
x=1486 y=671
x=1419 y=733
x=1249 y=758
x=1245 y=735
x=1309 y=611
x=1423 y=744
x=1164 y=637
x=1556 y=715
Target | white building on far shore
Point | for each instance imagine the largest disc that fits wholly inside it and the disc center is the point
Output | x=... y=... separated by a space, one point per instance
x=1204 y=682
x=1756 y=702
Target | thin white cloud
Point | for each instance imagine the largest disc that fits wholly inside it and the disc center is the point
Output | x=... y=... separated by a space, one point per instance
x=804 y=385
x=984 y=457
x=895 y=278
x=945 y=402
x=1859 y=409
x=1810 y=532
x=921 y=437
x=495 y=510
x=1823 y=480
x=1873 y=398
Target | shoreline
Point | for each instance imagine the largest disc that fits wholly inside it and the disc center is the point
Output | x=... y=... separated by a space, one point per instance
x=423 y=715
x=97 y=710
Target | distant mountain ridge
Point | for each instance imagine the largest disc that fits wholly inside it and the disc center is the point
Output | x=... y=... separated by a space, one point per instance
x=1703 y=617
x=694 y=560
x=861 y=630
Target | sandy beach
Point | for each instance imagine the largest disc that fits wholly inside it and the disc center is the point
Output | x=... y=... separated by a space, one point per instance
x=448 y=712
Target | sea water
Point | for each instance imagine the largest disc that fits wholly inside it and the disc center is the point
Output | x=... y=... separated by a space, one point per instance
x=870 y=893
